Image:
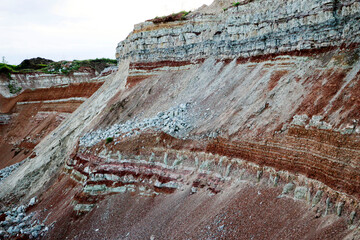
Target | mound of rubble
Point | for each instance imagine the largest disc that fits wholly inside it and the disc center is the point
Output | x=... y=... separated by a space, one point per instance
x=175 y=122
x=17 y=223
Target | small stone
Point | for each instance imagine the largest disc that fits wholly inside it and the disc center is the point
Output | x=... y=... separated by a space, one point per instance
x=276 y=180
x=35 y=234
x=10 y=230
x=340 y=208
x=317 y=197
x=28 y=217
x=300 y=193
x=165 y=158
x=328 y=203
x=32 y=201
x=16 y=230
x=228 y=170
x=21 y=209
x=259 y=175
x=37 y=228
x=4 y=223
x=193 y=190
x=21 y=215
x=288 y=188
x=22 y=225
x=352 y=217
x=27 y=231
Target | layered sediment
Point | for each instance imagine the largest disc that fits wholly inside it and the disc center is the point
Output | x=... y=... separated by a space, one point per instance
x=44 y=101
x=256 y=28
x=226 y=114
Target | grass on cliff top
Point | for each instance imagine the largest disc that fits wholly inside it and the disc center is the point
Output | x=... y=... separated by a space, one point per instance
x=62 y=67
x=180 y=16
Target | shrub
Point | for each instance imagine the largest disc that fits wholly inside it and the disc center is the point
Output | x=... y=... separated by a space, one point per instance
x=109 y=140
x=6 y=70
x=170 y=18
x=13 y=89
x=235 y=4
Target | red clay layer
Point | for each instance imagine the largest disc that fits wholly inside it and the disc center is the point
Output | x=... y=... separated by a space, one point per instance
x=53 y=93
x=244 y=212
x=131 y=81
x=316 y=154
x=324 y=155
x=153 y=65
x=25 y=130
x=303 y=53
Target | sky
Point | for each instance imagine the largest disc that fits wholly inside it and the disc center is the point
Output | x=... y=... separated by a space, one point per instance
x=75 y=29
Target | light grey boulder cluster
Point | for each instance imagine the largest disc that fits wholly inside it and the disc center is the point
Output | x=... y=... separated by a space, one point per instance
x=175 y=122
x=15 y=222
x=5 y=172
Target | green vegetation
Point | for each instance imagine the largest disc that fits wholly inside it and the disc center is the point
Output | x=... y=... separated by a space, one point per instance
x=13 y=89
x=48 y=66
x=6 y=69
x=66 y=67
x=235 y=4
x=185 y=13
x=171 y=18
x=109 y=140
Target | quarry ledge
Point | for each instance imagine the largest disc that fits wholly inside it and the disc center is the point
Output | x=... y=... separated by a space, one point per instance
x=157 y=153
x=166 y=171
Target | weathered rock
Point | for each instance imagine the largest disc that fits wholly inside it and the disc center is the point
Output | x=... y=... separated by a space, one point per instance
x=288 y=188
x=32 y=201
x=317 y=197
x=339 y=208
x=236 y=32
x=300 y=192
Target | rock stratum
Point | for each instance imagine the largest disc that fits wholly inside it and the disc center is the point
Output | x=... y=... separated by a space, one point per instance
x=237 y=121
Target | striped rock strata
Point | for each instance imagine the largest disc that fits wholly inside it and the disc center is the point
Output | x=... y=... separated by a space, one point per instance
x=271 y=144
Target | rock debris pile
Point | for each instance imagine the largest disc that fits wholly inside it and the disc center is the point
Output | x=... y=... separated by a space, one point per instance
x=5 y=172
x=16 y=223
x=175 y=122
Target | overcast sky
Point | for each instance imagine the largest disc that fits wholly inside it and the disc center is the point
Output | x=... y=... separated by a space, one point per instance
x=75 y=29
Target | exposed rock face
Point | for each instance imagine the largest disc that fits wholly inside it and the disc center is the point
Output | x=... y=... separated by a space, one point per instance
x=254 y=29
x=44 y=102
x=230 y=124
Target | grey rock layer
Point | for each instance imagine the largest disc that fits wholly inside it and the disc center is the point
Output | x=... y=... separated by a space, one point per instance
x=257 y=28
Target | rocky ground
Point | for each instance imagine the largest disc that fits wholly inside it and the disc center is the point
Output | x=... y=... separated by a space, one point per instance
x=16 y=222
x=236 y=123
x=175 y=122
x=5 y=172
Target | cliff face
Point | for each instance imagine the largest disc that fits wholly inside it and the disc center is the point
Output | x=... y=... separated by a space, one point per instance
x=253 y=28
x=44 y=101
x=211 y=124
